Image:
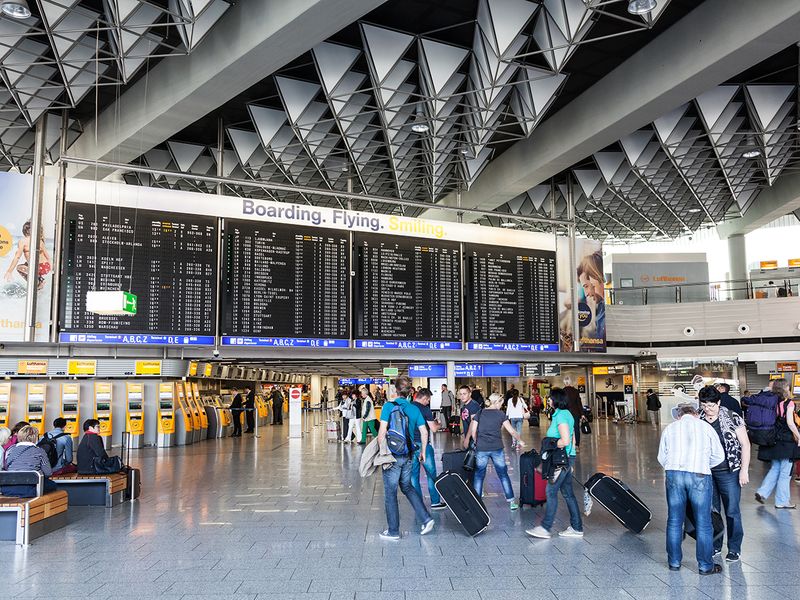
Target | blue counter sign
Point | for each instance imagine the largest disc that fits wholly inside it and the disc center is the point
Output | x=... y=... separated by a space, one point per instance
x=276 y=342
x=133 y=339
x=427 y=370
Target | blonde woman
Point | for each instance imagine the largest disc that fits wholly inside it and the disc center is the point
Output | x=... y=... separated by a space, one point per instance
x=25 y=455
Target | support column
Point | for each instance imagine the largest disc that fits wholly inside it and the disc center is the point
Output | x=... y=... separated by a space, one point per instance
x=36 y=229
x=315 y=391
x=573 y=266
x=451 y=378
x=737 y=261
x=55 y=281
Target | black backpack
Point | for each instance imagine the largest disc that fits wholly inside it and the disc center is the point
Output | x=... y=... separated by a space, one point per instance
x=48 y=444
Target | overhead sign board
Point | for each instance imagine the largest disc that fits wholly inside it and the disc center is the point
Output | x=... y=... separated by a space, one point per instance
x=787 y=367
x=487 y=370
x=32 y=367
x=427 y=370
x=149 y=367
x=391 y=371
x=193 y=369
x=82 y=367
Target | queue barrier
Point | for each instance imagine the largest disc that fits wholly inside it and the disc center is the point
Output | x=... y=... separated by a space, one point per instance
x=22 y=520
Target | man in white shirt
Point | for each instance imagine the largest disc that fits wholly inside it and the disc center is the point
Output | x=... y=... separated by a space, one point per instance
x=688 y=450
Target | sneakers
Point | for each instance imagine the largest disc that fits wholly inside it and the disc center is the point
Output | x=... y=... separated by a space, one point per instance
x=787 y=506
x=385 y=535
x=587 y=503
x=539 y=532
x=716 y=553
x=570 y=532
x=759 y=498
x=732 y=557
x=438 y=506
x=427 y=528
x=513 y=505
x=712 y=571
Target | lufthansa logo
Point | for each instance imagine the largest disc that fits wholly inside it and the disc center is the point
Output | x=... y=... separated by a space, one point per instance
x=645 y=278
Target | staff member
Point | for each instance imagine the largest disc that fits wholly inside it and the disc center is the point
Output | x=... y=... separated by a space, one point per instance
x=277 y=406
x=236 y=411
x=250 y=410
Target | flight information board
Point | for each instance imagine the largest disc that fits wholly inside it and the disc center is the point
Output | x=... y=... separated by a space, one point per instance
x=285 y=285
x=169 y=260
x=407 y=293
x=511 y=298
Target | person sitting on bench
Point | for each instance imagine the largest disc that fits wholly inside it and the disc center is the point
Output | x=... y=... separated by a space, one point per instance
x=62 y=446
x=91 y=450
x=25 y=455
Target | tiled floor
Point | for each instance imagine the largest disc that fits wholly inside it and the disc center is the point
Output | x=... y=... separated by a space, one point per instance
x=292 y=520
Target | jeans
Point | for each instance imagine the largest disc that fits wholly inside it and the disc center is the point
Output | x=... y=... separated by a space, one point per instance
x=728 y=492
x=430 y=471
x=779 y=479
x=682 y=488
x=499 y=461
x=517 y=424
x=399 y=475
x=655 y=417
x=563 y=483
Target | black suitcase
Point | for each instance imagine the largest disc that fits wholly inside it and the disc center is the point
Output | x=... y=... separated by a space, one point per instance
x=533 y=420
x=454 y=462
x=618 y=499
x=462 y=501
x=134 y=488
x=717 y=522
x=532 y=487
x=454 y=425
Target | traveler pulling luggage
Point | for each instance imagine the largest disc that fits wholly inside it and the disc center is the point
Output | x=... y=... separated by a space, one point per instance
x=618 y=499
x=462 y=501
x=532 y=486
x=454 y=425
x=454 y=462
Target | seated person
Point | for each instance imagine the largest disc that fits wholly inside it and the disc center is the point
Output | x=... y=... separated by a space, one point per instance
x=63 y=447
x=25 y=455
x=90 y=448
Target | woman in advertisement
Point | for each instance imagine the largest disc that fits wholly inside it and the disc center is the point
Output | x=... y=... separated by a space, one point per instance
x=592 y=310
x=24 y=248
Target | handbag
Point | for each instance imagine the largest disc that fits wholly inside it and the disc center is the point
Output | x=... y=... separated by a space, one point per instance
x=471 y=457
x=109 y=464
x=586 y=429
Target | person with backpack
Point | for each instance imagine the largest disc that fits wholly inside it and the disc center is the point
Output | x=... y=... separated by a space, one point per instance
x=25 y=455
x=760 y=416
x=399 y=418
x=57 y=444
x=785 y=449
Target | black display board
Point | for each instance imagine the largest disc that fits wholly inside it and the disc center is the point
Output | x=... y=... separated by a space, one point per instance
x=285 y=281
x=407 y=289
x=169 y=260
x=511 y=295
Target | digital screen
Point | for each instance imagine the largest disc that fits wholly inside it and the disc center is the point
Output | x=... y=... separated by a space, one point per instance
x=165 y=405
x=511 y=295
x=35 y=408
x=285 y=281
x=407 y=289
x=69 y=407
x=3 y=409
x=135 y=405
x=168 y=260
x=104 y=406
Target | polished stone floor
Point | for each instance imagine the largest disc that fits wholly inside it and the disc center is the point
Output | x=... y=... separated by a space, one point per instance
x=292 y=520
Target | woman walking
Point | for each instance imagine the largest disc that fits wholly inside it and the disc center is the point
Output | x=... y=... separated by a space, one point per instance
x=486 y=430
x=562 y=427
x=367 y=415
x=517 y=412
x=783 y=453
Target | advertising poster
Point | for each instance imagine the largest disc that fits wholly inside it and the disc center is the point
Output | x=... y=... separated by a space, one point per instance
x=590 y=280
x=16 y=198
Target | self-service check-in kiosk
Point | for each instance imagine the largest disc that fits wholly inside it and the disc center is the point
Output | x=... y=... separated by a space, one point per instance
x=70 y=408
x=201 y=409
x=134 y=418
x=225 y=419
x=185 y=393
x=34 y=413
x=166 y=415
x=184 y=432
x=102 y=410
x=5 y=403
x=211 y=416
x=261 y=410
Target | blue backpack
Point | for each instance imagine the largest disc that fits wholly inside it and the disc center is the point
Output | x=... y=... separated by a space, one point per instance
x=762 y=412
x=397 y=436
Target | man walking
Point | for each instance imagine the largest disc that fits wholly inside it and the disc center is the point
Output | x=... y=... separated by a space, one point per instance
x=468 y=408
x=423 y=402
x=447 y=404
x=689 y=449
x=653 y=407
x=403 y=418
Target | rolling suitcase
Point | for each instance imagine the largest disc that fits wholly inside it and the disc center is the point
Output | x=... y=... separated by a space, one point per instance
x=134 y=489
x=462 y=501
x=454 y=425
x=533 y=420
x=454 y=462
x=618 y=499
x=717 y=522
x=532 y=486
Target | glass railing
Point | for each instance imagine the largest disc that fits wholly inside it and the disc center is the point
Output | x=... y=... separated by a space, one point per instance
x=710 y=291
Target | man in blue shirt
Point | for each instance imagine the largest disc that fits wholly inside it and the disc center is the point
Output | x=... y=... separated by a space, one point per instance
x=399 y=474
x=63 y=443
x=422 y=402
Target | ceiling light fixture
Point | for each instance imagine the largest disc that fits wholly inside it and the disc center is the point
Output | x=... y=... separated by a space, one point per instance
x=751 y=151
x=694 y=210
x=508 y=224
x=590 y=211
x=419 y=125
x=641 y=7
x=16 y=9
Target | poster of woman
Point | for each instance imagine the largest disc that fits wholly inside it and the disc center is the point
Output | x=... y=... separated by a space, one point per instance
x=590 y=282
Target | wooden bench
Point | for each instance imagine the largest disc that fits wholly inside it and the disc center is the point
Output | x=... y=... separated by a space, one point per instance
x=93 y=490
x=25 y=519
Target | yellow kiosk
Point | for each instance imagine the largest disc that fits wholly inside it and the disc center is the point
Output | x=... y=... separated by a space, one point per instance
x=201 y=409
x=166 y=415
x=5 y=403
x=70 y=409
x=35 y=401
x=197 y=420
x=102 y=410
x=262 y=410
x=134 y=417
x=184 y=432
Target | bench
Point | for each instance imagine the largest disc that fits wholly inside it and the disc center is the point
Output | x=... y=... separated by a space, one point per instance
x=25 y=519
x=93 y=490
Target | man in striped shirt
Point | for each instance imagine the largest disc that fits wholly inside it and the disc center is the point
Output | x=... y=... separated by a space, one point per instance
x=688 y=450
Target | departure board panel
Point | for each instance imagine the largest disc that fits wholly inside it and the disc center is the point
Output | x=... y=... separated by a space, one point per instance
x=511 y=298
x=407 y=293
x=169 y=260
x=285 y=285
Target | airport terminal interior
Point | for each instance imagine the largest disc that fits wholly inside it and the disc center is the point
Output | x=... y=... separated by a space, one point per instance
x=253 y=254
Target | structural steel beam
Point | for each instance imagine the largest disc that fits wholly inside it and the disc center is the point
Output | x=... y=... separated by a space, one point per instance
x=252 y=40
x=708 y=46
x=774 y=202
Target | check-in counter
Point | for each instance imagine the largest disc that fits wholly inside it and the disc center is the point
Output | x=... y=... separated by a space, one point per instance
x=184 y=431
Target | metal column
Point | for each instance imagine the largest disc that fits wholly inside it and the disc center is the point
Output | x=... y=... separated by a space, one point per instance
x=60 y=200
x=573 y=265
x=36 y=229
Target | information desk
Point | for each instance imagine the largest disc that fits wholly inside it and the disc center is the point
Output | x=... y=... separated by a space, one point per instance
x=171 y=259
